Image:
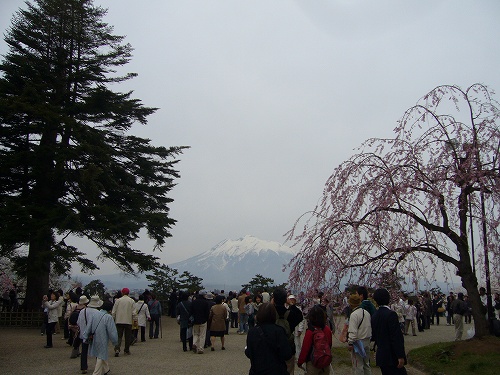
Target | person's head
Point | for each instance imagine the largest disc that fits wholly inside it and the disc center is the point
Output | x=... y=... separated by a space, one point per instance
x=482 y=291
x=279 y=296
x=317 y=316
x=218 y=299
x=382 y=297
x=125 y=291
x=95 y=302
x=410 y=302
x=183 y=296
x=362 y=292
x=73 y=297
x=107 y=306
x=248 y=299
x=354 y=301
x=460 y=296
x=258 y=298
x=54 y=296
x=291 y=300
x=267 y=314
x=61 y=293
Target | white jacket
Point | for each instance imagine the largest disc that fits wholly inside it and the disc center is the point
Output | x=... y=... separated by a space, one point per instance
x=52 y=310
x=124 y=311
x=360 y=326
x=142 y=313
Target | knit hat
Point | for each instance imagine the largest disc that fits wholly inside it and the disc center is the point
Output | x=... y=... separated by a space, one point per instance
x=125 y=291
x=354 y=301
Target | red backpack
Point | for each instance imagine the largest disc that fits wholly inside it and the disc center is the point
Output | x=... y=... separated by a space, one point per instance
x=321 y=355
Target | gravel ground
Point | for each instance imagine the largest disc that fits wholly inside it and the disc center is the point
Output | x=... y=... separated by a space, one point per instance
x=22 y=352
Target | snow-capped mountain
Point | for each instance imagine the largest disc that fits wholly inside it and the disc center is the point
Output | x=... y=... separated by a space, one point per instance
x=232 y=263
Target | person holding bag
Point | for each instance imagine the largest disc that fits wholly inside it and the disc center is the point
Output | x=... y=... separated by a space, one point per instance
x=100 y=330
x=185 y=320
x=267 y=344
x=142 y=317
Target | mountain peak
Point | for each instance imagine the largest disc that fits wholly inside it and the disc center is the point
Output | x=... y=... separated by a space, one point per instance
x=248 y=244
x=231 y=263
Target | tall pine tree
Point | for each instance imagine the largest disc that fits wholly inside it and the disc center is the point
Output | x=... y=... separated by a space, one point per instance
x=67 y=165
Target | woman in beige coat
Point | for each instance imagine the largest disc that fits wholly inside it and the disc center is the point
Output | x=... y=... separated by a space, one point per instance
x=217 y=321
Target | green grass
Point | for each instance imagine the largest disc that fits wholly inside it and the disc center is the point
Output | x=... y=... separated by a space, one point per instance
x=342 y=357
x=475 y=356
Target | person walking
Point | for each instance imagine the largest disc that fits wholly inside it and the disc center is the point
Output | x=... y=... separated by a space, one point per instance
x=201 y=310
x=359 y=335
x=267 y=344
x=386 y=332
x=99 y=331
x=316 y=322
x=217 y=322
x=411 y=314
x=123 y=314
x=143 y=317
x=84 y=319
x=233 y=304
x=459 y=308
x=242 y=315
x=184 y=314
x=155 y=311
x=293 y=316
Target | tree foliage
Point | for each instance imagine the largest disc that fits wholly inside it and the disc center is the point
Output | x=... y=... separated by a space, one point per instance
x=163 y=281
x=189 y=282
x=95 y=287
x=259 y=283
x=67 y=165
x=403 y=204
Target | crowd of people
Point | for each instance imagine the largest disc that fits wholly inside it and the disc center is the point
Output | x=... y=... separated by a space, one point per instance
x=283 y=331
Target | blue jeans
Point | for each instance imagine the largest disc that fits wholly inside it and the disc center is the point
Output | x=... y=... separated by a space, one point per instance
x=243 y=322
x=155 y=318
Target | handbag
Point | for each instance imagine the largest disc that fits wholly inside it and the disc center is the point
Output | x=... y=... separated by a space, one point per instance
x=440 y=309
x=190 y=319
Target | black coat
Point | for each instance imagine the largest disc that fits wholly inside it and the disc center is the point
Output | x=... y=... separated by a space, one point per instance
x=268 y=349
x=200 y=308
x=386 y=332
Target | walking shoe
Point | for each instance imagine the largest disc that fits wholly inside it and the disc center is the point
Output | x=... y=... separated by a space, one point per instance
x=74 y=353
x=117 y=354
x=223 y=348
x=200 y=351
x=47 y=346
x=84 y=371
x=127 y=353
x=212 y=349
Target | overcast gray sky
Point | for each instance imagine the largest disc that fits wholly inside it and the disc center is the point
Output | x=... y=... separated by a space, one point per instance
x=273 y=95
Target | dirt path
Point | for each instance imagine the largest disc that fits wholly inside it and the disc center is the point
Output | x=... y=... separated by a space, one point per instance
x=22 y=352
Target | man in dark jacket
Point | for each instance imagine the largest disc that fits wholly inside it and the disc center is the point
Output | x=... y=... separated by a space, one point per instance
x=459 y=308
x=388 y=337
x=293 y=316
x=201 y=311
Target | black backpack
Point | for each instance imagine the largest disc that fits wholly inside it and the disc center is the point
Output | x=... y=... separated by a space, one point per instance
x=73 y=318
